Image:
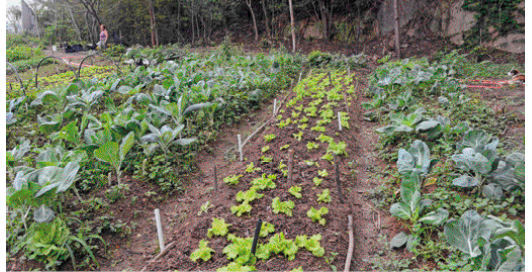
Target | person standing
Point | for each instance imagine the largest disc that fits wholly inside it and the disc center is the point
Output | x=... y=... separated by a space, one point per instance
x=103 y=37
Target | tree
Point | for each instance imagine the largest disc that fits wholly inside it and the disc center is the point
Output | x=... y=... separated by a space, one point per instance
x=13 y=15
x=292 y=26
x=397 y=45
x=248 y=3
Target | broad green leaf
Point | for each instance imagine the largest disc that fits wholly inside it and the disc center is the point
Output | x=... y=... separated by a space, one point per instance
x=127 y=144
x=43 y=214
x=466 y=181
x=462 y=234
x=399 y=240
x=492 y=190
x=436 y=217
x=109 y=152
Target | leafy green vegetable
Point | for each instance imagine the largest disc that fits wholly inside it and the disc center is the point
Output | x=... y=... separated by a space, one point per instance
x=249 y=195
x=251 y=168
x=294 y=190
x=203 y=252
x=219 y=228
x=316 y=215
x=264 y=182
x=282 y=207
x=241 y=209
x=325 y=196
x=114 y=154
x=232 y=179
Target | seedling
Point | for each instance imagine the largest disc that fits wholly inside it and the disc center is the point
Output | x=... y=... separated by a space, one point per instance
x=232 y=180
x=265 y=149
x=251 y=168
x=294 y=190
x=203 y=252
x=286 y=146
x=264 y=159
x=264 y=182
x=269 y=137
x=312 y=145
x=324 y=197
x=323 y=173
x=205 y=208
x=219 y=228
x=317 y=181
x=298 y=136
x=316 y=215
x=282 y=207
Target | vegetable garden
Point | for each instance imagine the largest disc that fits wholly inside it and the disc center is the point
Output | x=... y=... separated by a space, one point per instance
x=403 y=149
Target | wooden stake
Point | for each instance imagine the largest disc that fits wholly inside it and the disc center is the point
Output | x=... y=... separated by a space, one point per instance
x=351 y=243
x=337 y=168
x=330 y=79
x=290 y=166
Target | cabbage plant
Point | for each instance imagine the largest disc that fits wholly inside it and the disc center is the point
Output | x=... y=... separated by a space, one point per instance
x=115 y=154
x=165 y=137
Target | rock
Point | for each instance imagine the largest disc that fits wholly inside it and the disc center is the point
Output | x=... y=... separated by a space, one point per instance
x=405 y=8
x=411 y=33
x=460 y=22
x=435 y=25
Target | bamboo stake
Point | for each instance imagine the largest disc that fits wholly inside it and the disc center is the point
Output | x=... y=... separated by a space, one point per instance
x=159 y=229
x=239 y=137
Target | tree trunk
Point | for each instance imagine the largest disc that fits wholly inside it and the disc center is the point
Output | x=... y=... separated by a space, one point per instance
x=248 y=2
x=266 y=19
x=152 y=23
x=397 y=45
x=74 y=22
x=292 y=26
x=325 y=18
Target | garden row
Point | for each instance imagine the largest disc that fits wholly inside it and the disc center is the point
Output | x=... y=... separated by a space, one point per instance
x=299 y=195
x=458 y=192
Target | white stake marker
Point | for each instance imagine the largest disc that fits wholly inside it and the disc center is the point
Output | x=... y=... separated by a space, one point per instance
x=274 y=106
x=159 y=229
x=339 y=121
x=348 y=71
x=240 y=146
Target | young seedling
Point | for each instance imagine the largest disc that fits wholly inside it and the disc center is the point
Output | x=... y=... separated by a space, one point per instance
x=324 y=197
x=295 y=191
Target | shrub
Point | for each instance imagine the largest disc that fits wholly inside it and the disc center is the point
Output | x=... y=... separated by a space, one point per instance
x=318 y=58
x=21 y=52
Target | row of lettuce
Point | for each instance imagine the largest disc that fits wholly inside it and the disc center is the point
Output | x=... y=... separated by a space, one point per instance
x=148 y=123
x=423 y=106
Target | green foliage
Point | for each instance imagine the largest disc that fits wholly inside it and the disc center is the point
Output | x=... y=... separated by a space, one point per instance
x=312 y=145
x=205 y=207
x=317 y=181
x=203 y=252
x=318 y=58
x=316 y=215
x=265 y=149
x=282 y=207
x=313 y=244
x=22 y=52
x=264 y=182
x=219 y=228
x=266 y=229
x=325 y=196
x=265 y=159
x=269 y=137
x=241 y=209
x=249 y=195
x=232 y=179
x=500 y=16
x=278 y=243
x=251 y=168
x=295 y=191
x=323 y=173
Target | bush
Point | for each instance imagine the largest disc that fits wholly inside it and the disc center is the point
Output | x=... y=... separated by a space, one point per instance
x=22 y=52
x=115 y=50
x=318 y=58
